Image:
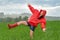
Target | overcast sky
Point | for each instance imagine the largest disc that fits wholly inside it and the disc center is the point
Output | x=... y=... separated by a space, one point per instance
x=20 y=6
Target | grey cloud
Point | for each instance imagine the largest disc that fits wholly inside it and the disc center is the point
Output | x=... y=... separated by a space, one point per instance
x=54 y=12
x=36 y=2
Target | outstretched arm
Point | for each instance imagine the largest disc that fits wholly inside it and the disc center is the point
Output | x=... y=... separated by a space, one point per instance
x=31 y=8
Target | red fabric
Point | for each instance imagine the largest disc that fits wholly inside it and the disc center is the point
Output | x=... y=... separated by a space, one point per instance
x=12 y=25
x=35 y=14
x=43 y=25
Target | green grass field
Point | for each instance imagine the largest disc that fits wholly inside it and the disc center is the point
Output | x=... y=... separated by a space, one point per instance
x=22 y=32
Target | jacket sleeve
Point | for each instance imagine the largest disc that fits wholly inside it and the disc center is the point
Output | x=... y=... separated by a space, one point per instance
x=31 y=8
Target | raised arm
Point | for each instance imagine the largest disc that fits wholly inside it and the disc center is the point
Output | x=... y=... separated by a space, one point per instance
x=31 y=8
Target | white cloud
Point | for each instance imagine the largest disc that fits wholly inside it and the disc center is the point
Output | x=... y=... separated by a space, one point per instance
x=53 y=11
x=12 y=8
